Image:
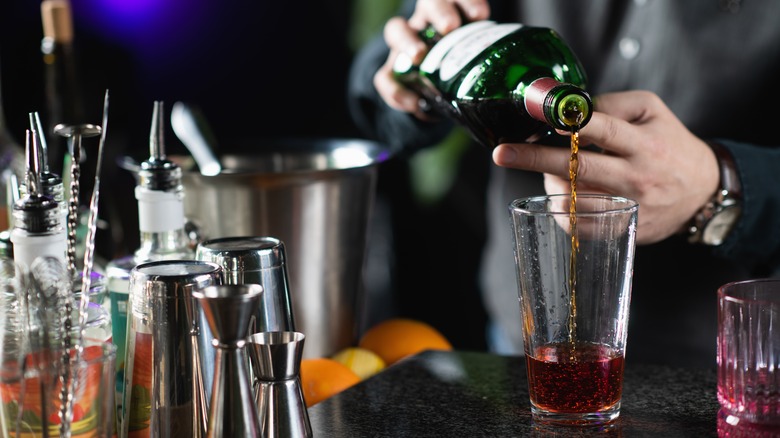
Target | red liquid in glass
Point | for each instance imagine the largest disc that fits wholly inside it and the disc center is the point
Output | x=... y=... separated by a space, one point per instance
x=586 y=378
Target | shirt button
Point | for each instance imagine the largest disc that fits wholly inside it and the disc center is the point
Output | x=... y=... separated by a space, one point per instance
x=629 y=48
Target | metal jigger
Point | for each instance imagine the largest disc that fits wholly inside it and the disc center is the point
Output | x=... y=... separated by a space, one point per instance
x=276 y=362
x=228 y=309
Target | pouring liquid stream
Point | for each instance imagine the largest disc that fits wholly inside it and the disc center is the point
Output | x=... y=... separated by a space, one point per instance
x=574 y=164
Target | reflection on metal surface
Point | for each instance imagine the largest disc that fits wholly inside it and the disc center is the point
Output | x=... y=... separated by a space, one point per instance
x=316 y=197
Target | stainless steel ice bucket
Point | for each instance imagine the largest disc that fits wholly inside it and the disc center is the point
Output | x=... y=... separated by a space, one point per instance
x=315 y=195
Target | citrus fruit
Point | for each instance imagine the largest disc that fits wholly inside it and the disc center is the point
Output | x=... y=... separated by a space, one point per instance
x=365 y=363
x=323 y=377
x=396 y=338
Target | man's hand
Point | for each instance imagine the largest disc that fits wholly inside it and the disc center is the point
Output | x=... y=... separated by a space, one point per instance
x=647 y=155
x=402 y=36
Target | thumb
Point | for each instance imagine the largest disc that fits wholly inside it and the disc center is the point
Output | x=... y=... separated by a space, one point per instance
x=632 y=106
x=611 y=126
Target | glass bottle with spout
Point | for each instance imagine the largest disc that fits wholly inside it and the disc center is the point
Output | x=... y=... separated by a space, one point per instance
x=503 y=82
x=39 y=234
x=160 y=196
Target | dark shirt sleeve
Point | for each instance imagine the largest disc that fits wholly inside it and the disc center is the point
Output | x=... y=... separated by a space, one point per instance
x=400 y=131
x=755 y=239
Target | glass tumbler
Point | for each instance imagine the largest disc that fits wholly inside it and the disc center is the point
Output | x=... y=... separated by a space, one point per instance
x=748 y=358
x=574 y=268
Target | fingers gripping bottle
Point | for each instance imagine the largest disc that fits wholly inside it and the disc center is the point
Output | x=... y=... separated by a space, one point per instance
x=502 y=82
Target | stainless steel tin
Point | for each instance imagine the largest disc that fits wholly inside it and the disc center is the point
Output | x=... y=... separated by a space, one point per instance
x=170 y=356
x=315 y=196
x=255 y=260
x=276 y=360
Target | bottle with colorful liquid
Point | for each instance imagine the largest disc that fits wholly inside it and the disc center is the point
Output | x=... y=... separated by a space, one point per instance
x=160 y=195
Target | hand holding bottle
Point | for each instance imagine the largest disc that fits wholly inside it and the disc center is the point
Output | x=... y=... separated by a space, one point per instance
x=648 y=155
x=403 y=36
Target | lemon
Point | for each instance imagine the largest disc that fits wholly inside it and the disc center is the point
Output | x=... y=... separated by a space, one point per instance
x=363 y=362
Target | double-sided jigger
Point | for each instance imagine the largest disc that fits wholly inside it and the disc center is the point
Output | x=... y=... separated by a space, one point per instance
x=276 y=362
x=227 y=309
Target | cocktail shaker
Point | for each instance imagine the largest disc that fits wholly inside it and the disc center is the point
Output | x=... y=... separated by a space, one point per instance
x=169 y=363
x=255 y=260
x=276 y=361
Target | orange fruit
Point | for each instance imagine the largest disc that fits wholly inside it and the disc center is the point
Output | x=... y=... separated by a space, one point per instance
x=397 y=338
x=323 y=377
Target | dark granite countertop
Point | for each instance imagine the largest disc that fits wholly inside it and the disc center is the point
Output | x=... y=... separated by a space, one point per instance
x=470 y=394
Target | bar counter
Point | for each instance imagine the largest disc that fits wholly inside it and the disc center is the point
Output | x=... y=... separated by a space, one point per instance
x=475 y=394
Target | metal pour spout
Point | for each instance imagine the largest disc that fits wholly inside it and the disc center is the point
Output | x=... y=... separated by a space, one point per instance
x=35 y=212
x=158 y=173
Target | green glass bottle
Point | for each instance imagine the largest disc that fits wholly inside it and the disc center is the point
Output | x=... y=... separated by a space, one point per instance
x=502 y=82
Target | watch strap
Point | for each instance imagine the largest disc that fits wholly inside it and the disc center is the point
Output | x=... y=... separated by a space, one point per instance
x=729 y=178
x=729 y=192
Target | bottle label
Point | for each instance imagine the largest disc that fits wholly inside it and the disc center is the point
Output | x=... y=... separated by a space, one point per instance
x=118 y=293
x=433 y=59
x=138 y=405
x=469 y=46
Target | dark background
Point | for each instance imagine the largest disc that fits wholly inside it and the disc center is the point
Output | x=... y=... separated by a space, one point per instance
x=255 y=69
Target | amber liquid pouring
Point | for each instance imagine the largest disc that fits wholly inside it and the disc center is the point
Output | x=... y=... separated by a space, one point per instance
x=572 y=376
x=574 y=164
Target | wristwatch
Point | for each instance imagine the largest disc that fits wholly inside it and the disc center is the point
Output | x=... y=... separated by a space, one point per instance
x=715 y=220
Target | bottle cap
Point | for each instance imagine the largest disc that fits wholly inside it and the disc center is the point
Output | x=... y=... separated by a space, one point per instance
x=35 y=212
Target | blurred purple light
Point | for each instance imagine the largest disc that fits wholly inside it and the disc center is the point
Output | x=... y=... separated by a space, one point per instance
x=151 y=28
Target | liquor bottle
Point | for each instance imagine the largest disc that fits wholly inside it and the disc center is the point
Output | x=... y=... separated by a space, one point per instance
x=503 y=82
x=64 y=103
x=51 y=184
x=160 y=196
x=38 y=229
x=38 y=235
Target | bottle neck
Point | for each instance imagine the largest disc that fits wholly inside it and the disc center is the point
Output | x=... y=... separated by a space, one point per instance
x=164 y=245
x=560 y=105
x=162 y=225
x=29 y=246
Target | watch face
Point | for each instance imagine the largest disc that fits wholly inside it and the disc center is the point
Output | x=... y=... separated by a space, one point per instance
x=720 y=224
